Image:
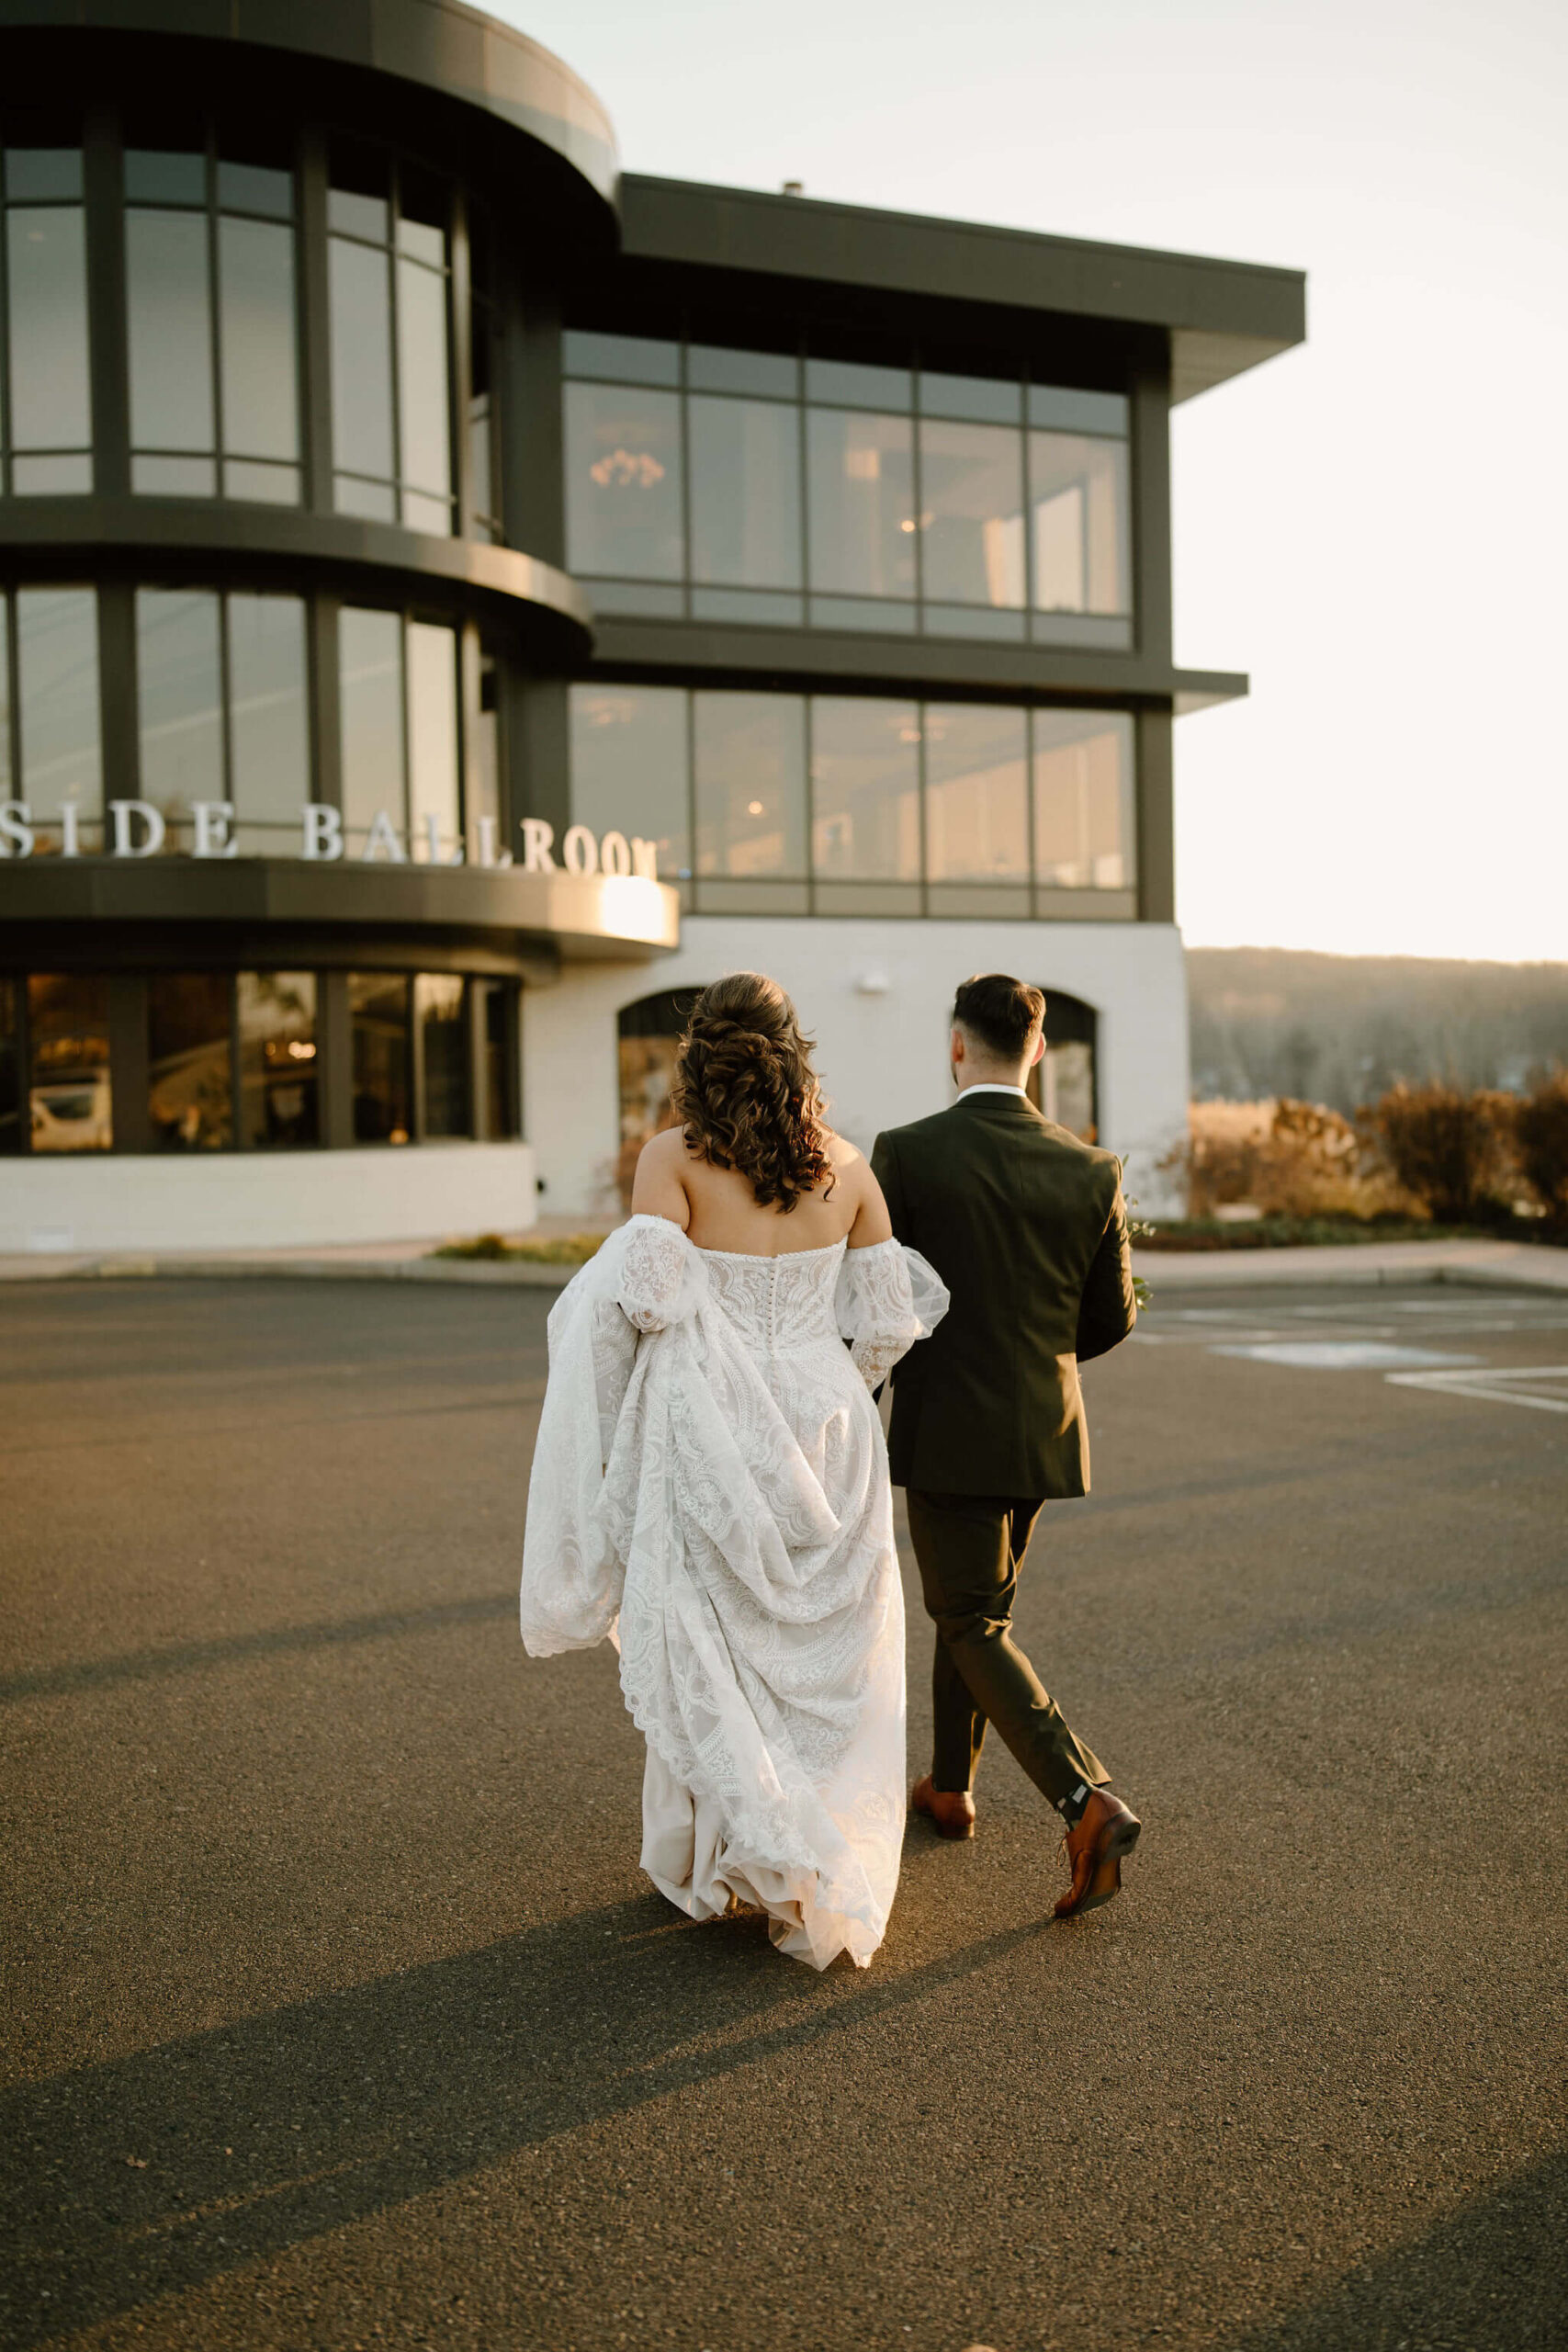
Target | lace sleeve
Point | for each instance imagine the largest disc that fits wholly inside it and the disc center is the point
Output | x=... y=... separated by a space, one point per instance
x=888 y=1297
x=661 y=1275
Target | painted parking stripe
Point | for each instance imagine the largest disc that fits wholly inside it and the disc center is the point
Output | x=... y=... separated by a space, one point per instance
x=1345 y=1355
x=1497 y=1385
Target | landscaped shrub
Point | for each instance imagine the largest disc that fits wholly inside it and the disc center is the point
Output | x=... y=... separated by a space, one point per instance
x=1540 y=1139
x=1284 y=1159
x=1446 y=1147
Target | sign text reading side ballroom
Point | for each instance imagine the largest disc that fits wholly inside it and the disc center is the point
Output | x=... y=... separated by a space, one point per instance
x=136 y=829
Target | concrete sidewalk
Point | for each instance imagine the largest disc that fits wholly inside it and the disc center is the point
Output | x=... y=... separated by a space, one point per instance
x=1508 y=1265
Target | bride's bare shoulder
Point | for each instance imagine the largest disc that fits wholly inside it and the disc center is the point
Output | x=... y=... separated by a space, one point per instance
x=843 y=1154
x=659 y=1186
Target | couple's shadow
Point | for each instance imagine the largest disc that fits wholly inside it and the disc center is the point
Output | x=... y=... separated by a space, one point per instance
x=153 y=2173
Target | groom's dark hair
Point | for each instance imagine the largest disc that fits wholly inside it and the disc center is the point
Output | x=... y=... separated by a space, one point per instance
x=1001 y=1014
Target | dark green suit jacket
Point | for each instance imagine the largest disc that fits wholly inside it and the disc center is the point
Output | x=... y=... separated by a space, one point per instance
x=1026 y=1227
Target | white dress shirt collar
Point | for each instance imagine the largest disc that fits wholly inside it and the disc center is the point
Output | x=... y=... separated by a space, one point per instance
x=988 y=1086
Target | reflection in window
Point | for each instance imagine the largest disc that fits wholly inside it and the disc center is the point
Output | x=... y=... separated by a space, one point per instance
x=1080 y=506
x=745 y=459
x=370 y=692
x=45 y=406
x=276 y=1024
x=749 y=761
x=434 y=816
x=10 y=1065
x=498 y=1071
x=629 y=768
x=1083 y=800
x=207 y=387
x=69 y=1103
x=977 y=805
x=972 y=510
x=190 y=1097
x=623 y=482
x=179 y=699
x=866 y=789
x=484 y=372
x=57 y=711
x=441 y=1011
x=387 y=276
x=383 y=1073
x=485 y=837
x=861 y=498
x=269 y=742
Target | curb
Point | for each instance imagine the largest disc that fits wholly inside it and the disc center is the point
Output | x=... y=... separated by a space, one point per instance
x=474 y=1272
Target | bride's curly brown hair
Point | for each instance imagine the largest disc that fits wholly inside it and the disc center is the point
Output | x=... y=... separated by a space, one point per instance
x=745 y=1093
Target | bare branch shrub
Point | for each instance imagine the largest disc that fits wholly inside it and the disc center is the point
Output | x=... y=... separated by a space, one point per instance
x=1540 y=1139
x=1446 y=1146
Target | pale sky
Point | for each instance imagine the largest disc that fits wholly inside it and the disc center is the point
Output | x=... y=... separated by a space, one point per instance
x=1374 y=527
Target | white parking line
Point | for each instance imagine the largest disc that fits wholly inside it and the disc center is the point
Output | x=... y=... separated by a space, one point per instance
x=1493 y=1386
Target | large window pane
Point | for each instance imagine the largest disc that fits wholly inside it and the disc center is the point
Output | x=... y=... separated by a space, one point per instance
x=1080 y=503
x=971 y=494
x=268 y=721
x=976 y=810
x=865 y=790
x=47 y=282
x=260 y=376
x=484 y=760
x=10 y=1065
x=749 y=760
x=57 y=662
x=361 y=360
x=190 y=1095
x=862 y=503
x=276 y=1024
x=441 y=1008
x=170 y=331
x=370 y=692
x=629 y=768
x=500 y=1072
x=433 y=738
x=68 y=1080
x=424 y=422
x=623 y=481
x=383 y=1087
x=179 y=697
x=1084 y=824
x=745 y=492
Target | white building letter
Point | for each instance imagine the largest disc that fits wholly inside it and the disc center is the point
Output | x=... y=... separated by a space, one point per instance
x=431 y=823
x=539 y=839
x=382 y=838
x=614 y=854
x=213 y=819
x=324 y=832
x=488 y=854
x=15 y=829
x=122 y=811
x=645 y=858
x=580 y=851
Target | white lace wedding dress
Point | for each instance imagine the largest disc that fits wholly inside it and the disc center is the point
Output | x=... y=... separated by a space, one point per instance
x=710 y=1472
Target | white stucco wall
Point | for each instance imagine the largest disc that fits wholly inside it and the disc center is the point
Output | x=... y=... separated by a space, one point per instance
x=883 y=1056
x=263 y=1200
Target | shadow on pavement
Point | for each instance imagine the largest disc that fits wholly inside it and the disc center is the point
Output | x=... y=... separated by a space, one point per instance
x=1490 y=2276
x=144 y=2177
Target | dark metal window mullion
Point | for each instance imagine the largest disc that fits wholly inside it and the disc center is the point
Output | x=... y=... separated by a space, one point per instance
x=803 y=446
x=405 y=731
x=11 y=677
x=1028 y=810
x=915 y=477
x=686 y=485
x=459 y=365
x=5 y=451
x=391 y=258
x=921 y=710
x=809 y=730
x=691 y=793
x=214 y=297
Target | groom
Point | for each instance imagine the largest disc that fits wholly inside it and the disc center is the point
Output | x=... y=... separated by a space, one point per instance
x=1026 y=1227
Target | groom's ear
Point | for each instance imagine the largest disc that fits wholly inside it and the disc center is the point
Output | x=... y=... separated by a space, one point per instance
x=1039 y=1050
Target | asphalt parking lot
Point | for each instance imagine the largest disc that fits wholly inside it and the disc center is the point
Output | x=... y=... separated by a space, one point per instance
x=336 y=2013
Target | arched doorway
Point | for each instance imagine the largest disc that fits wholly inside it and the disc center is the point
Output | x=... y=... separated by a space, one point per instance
x=648 y=1032
x=1065 y=1083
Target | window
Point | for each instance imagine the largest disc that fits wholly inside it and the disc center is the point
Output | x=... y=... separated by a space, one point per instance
x=388 y=274
x=211 y=317
x=714 y=484
x=383 y=1056
x=749 y=769
x=498 y=1057
x=937 y=809
x=190 y=1091
x=648 y=1037
x=68 y=1104
x=1064 y=1083
x=276 y=1036
x=45 y=394
x=398 y=689
x=441 y=1014
x=224 y=714
x=10 y=1065
x=58 y=766
x=484 y=374
x=630 y=768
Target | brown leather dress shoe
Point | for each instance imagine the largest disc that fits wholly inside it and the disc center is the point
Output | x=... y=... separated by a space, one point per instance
x=1098 y=1843
x=952 y=1810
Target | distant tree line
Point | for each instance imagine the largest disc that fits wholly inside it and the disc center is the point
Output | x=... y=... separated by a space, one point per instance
x=1343 y=1030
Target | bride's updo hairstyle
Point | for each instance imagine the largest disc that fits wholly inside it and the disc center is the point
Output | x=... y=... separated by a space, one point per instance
x=745 y=1093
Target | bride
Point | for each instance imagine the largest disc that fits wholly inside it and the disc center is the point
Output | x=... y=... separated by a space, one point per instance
x=710 y=1490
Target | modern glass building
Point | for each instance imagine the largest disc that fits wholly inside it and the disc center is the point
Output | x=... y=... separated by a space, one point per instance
x=455 y=599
